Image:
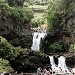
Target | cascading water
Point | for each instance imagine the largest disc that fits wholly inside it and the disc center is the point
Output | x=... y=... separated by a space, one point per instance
x=62 y=63
x=37 y=36
x=53 y=65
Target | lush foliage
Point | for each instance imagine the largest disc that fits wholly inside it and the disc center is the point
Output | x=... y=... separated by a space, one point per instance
x=60 y=11
x=39 y=18
x=55 y=17
x=61 y=22
x=19 y=16
x=55 y=26
x=18 y=13
x=4 y=66
x=14 y=21
x=56 y=47
x=16 y=2
x=26 y=41
x=21 y=60
x=7 y=51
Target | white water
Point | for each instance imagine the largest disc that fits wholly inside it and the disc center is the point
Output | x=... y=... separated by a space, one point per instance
x=53 y=65
x=37 y=36
x=61 y=63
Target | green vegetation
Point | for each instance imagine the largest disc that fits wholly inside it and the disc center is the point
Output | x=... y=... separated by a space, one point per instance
x=19 y=15
x=16 y=2
x=4 y=66
x=55 y=17
x=40 y=15
x=39 y=19
x=16 y=19
x=39 y=6
x=60 y=12
x=7 y=51
x=20 y=59
x=56 y=47
x=13 y=18
x=26 y=41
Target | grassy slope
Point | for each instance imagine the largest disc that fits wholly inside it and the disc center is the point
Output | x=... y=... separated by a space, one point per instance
x=40 y=15
x=39 y=6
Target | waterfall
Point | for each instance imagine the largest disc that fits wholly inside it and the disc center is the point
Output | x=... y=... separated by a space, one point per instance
x=61 y=63
x=53 y=65
x=37 y=36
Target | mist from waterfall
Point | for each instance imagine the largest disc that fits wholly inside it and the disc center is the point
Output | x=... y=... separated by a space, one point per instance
x=37 y=36
x=61 y=63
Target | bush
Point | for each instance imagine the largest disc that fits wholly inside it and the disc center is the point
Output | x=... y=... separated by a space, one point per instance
x=19 y=15
x=5 y=66
x=56 y=47
x=38 y=19
x=55 y=17
x=16 y=2
x=7 y=51
x=26 y=41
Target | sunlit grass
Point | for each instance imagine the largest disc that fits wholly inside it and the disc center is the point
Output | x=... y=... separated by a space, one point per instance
x=4 y=66
x=39 y=6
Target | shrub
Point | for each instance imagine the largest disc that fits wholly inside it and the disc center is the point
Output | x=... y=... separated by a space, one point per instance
x=56 y=47
x=16 y=2
x=26 y=41
x=5 y=66
x=55 y=17
x=19 y=15
x=7 y=51
x=38 y=19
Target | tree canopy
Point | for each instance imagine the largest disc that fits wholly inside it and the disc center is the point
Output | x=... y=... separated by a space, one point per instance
x=61 y=22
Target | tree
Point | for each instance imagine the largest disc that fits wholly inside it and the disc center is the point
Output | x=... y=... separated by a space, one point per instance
x=61 y=20
x=16 y=2
x=14 y=17
x=55 y=17
x=7 y=51
x=69 y=11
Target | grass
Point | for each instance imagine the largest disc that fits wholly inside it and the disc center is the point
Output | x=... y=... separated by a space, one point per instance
x=39 y=6
x=39 y=17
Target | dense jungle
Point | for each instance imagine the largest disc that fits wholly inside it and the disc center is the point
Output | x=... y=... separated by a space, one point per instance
x=17 y=20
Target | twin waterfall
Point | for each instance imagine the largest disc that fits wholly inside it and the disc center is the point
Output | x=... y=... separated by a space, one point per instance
x=37 y=36
x=61 y=63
